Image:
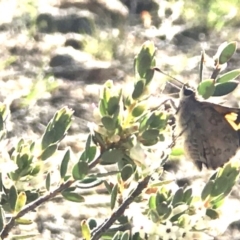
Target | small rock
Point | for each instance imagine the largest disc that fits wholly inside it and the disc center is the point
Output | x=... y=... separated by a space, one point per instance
x=66 y=20
x=72 y=64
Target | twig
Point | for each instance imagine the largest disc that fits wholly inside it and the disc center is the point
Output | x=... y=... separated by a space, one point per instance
x=96 y=234
x=31 y=206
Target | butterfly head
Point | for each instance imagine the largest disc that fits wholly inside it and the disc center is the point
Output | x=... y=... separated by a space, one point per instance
x=186 y=92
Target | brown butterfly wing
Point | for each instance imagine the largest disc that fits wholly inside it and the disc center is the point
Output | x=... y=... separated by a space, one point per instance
x=209 y=138
x=219 y=138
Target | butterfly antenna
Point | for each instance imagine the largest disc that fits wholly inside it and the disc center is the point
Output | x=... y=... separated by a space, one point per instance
x=175 y=79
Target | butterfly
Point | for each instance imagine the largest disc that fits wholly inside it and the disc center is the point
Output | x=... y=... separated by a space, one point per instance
x=210 y=131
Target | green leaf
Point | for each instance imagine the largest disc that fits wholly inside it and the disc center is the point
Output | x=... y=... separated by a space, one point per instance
x=2 y=218
x=213 y=214
x=149 y=75
x=88 y=142
x=158 y=120
x=178 y=197
x=12 y=197
x=207 y=189
x=229 y=76
x=220 y=186
x=19 y=145
x=92 y=223
x=48 y=181
x=22 y=160
x=36 y=169
x=227 y=52
x=114 y=196
x=139 y=109
x=162 y=208
x=144 y=121
x=111 y=156
x=1 y=123
x=187 y=195
x=108 y=123
x=116 y=236
x=1 y=182
x=91 y=153
x=218 y=202
x=89 y=182
x=72 y=196
x=64 y=164
x=102 y=108
x=126 y=235
x=24 y=221
x=108 y=186
x=21 y=201
x=126 y=172
x=138 y=89
x=144 y=59
x=112 y=105
x=57 y=127
x=206 y=88
x=80 y=170
x=49 y=151
x=225 y=88
x=152 y=202
x=150 y=134
x=85 y=230
x=154 y=215
x=176 y=152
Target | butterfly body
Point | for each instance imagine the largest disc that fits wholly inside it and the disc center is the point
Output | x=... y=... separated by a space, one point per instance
x=209 y=138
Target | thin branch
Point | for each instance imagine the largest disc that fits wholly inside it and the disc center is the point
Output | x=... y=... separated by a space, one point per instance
x=96 y=234
x=31 y=206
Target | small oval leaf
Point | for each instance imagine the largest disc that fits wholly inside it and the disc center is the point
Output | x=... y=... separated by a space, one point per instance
x=139 y=109
x=64 y=164
x=48 y=181
x=12 y=197
x=178 y=197
x=21 y=201
x=80 y=170
x=108 y=123
x=152 y=202
x=225 y=88
x=229 y=76
x=112 y=105
x=24 y=221
x=206 y=88
x=150 y=134
x=92 y=223
x=49 y=151
x=111 y=156
x=227 y=52
x=213 y=214
x=176 y=152
x=138 y=89
x=72 y=196
x=126 y=235
x=102 y=108
x=126 y=172
x=85 y=230
x=2 y=218
x=149 y=75
x=220 y=186
x=114 y=196
x=207 y=189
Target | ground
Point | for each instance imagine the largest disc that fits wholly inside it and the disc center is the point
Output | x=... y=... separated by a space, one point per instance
x=27 y=59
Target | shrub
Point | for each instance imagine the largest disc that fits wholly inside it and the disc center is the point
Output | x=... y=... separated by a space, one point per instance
x=136 y=138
